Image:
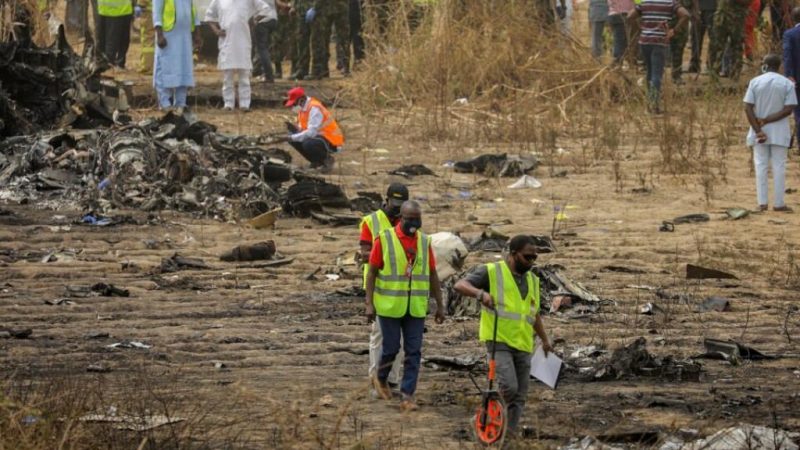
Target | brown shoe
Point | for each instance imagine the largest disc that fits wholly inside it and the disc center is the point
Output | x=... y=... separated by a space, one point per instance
x=763 y=207
x=382 y=388
x=782 y=209
x=408 y=404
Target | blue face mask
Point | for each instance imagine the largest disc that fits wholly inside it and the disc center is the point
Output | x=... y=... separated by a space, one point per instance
x=410 y=226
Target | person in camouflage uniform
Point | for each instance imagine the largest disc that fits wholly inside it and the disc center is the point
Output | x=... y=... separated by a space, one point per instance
x=330 y=14
x=728 y=30
x=678 y=42
x=283 y=41
x=301 y=61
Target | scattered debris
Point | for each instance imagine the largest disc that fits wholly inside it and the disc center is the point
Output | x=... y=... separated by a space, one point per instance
x=453 y=362
x=412 y=170
x=554 y=283
x=731 y=351
x=492 y=240
x=109 y=290
x=131 y=422
x=691 y=218
x=737 y=213
x=622 y=269
x=98 y=368
x=252 y=252
x=450 y=252
x=650 y=309
x=59 y=302
x=24 y=333
x=634 y=360
x=177 y=262
x=265 y=220
x=701 y=273
x=718 y=304
x=526 y=181
x=497 y=165
x=666 y=226
x=96 y=335
x=130 y=344
x=740 y=437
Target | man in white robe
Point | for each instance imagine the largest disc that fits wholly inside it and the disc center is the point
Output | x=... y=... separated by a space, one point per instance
x=229 y=19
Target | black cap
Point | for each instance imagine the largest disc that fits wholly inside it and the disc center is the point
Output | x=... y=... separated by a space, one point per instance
x=397 y=191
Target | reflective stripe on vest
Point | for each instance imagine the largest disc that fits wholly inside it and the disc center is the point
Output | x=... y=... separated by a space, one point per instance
x=398 y=294
x=169 y=16
x=114 y=8
x=376 y=222
x=515 y=320
x=329 y=129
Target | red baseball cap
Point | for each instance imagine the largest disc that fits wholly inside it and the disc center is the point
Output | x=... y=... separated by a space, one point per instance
x=293 y=95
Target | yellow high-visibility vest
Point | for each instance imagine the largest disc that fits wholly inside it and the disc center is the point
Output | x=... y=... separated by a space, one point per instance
x=516 y=315
x=169 y=14
x=376 y=222
x=397 y=293
x=114 y=8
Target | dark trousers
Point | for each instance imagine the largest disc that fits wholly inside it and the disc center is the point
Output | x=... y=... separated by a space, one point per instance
x=411 y=329
x=301 y=61
x=655 y=58
x=704 y=26
x=355 y=29
x=316 y=150
x=114 y=37
x=513 y=375
x=263 y=37
x=797 y=122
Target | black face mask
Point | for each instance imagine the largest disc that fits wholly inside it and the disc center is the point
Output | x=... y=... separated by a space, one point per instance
x=392 y=211
x=522 y=264
x=410 y=226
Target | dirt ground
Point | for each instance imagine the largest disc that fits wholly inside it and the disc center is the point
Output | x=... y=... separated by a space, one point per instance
x=294 y=376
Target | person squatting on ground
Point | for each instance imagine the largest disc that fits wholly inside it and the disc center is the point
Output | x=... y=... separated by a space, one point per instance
x=401 y=277
x=174 y=22
x=654 y=41
x=769 y=101
x=229 y=19
x=791 y=63
x=113 y=31
x=317 y=135
x=372 y=226
x=508 y=289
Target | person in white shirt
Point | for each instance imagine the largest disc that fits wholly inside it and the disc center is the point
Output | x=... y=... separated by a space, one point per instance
x=769 y=101
x=229 y=19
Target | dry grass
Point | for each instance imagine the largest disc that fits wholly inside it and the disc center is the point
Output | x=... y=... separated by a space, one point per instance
x=15 y=14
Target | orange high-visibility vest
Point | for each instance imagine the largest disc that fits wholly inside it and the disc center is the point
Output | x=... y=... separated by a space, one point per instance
x=329 y=129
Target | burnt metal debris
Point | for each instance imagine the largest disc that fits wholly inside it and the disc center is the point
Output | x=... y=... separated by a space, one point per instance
x=503 y=165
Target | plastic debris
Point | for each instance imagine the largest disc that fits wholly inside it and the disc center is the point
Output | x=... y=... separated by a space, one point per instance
x=130 y=344
x=737 y=213
x=718 y=304
x=525 y=181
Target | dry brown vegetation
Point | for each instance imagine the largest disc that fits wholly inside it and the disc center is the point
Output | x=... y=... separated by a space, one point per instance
x=616 y=171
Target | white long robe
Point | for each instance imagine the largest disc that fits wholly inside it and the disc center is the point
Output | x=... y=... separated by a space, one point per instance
x=233 y=16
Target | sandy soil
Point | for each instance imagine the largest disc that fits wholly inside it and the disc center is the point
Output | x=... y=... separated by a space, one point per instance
x=287 y=382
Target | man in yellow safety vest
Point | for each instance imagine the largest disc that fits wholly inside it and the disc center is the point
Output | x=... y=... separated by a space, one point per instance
x=508 y=289
x=114 y=29
x=372 y=225
x=401 y=278
x=317 y=135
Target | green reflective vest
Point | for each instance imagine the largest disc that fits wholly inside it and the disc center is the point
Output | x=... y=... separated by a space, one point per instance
x=515 y=314
x=114 y=8
x=376 y=222
x=169 y=14
x=397 y=293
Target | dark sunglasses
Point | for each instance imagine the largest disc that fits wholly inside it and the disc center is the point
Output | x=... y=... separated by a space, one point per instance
x=530 y=258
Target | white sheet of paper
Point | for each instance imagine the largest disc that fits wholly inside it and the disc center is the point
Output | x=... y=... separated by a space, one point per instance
x=545 y=368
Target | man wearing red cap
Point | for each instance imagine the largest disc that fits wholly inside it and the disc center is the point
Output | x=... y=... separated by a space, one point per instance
x=316 y=135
